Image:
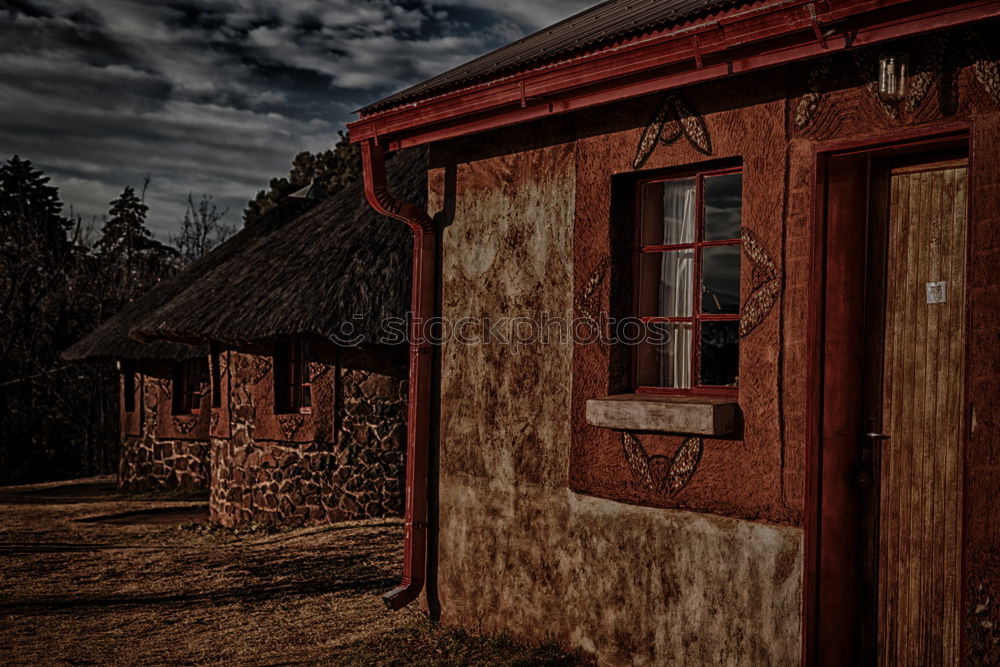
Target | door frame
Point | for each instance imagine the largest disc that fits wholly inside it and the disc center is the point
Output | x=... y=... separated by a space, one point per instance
x=829 y=373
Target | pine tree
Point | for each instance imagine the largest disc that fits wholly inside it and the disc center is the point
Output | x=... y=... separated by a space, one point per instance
x=48 y=298
x=29 y=205
x=132 y=260
x=125 y=232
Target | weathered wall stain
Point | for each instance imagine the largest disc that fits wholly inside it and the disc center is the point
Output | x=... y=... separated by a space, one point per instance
x=631 y=585
x=518 y=550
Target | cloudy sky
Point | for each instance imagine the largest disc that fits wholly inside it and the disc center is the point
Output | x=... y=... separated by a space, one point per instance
x=217 y=96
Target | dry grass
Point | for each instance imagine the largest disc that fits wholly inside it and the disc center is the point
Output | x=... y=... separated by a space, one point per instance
x=113 y=591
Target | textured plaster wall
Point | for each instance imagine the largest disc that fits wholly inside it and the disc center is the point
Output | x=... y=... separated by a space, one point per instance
x=518 y=550
x=631 y=585
x=983 y=455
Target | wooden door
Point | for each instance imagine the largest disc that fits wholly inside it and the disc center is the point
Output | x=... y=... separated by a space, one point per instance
x=919 y=468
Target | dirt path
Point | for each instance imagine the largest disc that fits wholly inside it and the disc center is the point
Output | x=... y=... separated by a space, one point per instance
x=91 y=576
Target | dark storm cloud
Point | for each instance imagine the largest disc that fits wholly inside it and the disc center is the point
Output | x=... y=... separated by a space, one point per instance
x=216 y=96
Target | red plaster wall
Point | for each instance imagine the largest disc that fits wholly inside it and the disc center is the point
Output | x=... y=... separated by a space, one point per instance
x=739 y=477
x=982 y=471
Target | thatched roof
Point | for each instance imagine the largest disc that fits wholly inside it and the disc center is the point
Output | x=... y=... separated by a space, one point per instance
x=111 y=340
x=340 y=263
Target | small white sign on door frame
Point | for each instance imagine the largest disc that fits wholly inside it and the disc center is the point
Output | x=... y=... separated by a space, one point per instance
x=937 y=292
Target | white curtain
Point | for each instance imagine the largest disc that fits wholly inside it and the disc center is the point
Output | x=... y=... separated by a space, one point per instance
x=676 y=277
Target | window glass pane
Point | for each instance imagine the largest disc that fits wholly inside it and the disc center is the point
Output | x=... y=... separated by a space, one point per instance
x=723 y=206
x=665 y=280
x=720 y=284
x=668 y=209
x=664 y=357
x=720 y=353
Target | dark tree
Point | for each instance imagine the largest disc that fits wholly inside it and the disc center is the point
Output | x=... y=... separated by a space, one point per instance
x=125 y=232
x=132 y=260
x=332 y=169
x=201 y=229
x=55 y=420
x=27 y=197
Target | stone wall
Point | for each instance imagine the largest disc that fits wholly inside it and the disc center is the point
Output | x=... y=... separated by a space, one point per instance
x=151 y=459
x=346 y=460
x=343 y=460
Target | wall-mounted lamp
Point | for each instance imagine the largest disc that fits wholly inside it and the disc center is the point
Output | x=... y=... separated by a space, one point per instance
x=893 y=77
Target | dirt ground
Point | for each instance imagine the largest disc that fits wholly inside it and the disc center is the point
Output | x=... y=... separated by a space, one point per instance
x=89 y=575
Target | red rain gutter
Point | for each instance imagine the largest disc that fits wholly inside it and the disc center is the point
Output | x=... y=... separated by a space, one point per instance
x=418 y=401
x=768 y=35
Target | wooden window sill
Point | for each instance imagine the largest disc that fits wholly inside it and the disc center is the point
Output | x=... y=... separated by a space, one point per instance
x=698 y=415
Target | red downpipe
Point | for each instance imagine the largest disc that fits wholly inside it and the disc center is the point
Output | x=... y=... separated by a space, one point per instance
x=418 y=401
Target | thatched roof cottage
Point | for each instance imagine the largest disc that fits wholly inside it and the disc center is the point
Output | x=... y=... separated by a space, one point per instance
x=301 y=418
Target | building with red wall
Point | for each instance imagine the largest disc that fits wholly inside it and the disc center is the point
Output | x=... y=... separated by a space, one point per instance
x=804 y=468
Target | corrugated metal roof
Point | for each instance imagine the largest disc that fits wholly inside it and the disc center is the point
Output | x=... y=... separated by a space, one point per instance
x=608 y=21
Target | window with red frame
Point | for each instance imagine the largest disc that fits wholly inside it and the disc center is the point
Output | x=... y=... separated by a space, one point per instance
x=292 y=388
x=190 y=379
x=128 y=370
x=688 y=278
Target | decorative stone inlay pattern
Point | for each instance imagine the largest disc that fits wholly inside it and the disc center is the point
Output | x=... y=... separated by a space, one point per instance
x=317 y=370
x=673 y=119
x=766 y=284
x=290 y=424
x=184 y=424
x=809 y=102
x=588 y=301
x=984 y=67
x=664 y=474
x=982 y=625
x=260 y=366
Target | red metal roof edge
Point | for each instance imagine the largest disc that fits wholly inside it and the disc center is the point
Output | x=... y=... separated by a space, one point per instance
x=454 y=79
x=603 y=75
x=638 y=36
